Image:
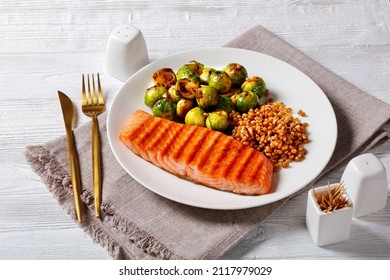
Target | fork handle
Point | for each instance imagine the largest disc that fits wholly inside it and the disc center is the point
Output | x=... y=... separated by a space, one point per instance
x=96 y=166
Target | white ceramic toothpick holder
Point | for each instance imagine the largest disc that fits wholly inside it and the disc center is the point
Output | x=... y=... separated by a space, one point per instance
x=366 y=184
x=126 y=52
x=327 y=227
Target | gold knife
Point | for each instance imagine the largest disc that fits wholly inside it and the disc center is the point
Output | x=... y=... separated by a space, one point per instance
x=68 y=112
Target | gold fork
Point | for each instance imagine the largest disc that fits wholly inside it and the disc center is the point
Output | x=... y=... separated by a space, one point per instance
x=92 y=106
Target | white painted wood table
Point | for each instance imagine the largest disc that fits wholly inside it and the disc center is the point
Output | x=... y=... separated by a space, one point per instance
x=46 y=45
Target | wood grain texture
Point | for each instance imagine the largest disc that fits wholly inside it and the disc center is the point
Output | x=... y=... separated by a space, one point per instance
x=46 y=45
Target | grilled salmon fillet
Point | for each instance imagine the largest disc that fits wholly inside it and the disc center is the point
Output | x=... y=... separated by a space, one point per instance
x=198 y=154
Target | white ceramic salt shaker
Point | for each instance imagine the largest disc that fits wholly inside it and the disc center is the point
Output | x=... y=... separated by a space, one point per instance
x=126 y=52
x=366 y=184
x=327 y=227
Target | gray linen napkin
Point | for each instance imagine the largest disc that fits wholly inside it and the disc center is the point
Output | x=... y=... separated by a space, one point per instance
x=138 y=224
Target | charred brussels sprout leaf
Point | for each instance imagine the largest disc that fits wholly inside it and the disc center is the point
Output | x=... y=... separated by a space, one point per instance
x=183 y=106
x=220 y=80
x=164 y=77
x=236 y=72
x=254 y=84
x=187 y=88
x=195 y=116
x=207 y=97
x=153 y=94
x=164 y=108
x=246 y=100
x=217 y=120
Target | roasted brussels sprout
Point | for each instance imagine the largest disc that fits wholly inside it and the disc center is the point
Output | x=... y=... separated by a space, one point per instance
x=225 y=103
x=196 y=66
x=164 y=77
x=164 y=108
x=183 y=106
x=195 y=116
x=236 y=72
x=172 y=94
x=217 y=120
x=220 y=80
x=246 y=100
x=153 y=94
x=187 y=73
x=206 y=97
x=205 y=75
x=187 y=88
x=254 y=84
x=193 y=66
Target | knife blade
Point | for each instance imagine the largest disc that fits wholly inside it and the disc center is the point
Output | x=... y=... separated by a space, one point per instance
x=68 y=113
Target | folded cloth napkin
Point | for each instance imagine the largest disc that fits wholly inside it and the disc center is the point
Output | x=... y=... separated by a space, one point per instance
x=138 y=224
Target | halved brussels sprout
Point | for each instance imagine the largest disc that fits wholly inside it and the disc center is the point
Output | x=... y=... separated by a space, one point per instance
x=205 y=75
x=225 y=103
x=164 y=108
x=217 y=120
x=236 y=72
x=256 y=85
x=206 y=97
x=153 y=94
x=195 y=116
x=164 y=77
x=183 y=106
x=172 y=94
x=187 y=88
x=220 y=80
x=246 y=100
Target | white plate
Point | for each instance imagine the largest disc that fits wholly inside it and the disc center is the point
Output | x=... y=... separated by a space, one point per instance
x=286 y=84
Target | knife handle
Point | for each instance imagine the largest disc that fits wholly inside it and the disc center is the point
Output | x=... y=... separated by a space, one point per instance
x=96 y=166
x=75 y=174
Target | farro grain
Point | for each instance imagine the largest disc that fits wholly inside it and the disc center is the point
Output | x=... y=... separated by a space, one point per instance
x=274 y=131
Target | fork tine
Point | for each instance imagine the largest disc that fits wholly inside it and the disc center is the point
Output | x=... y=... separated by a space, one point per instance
x=83 y=97
x=89 y=98
x=100 y=96
x=94 y=96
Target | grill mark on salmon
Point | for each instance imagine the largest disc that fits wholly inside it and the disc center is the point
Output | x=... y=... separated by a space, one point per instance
x=145 y=131
x=185 y=138
x=220 y=151
x=165 y=146
x=153 y=145
x=235 y=172
x=251 y=167
x=205 y=150
x=198 y=154
x=232 y=159
x=194 y=142
x=175 y=150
